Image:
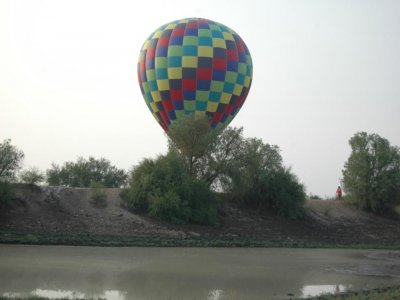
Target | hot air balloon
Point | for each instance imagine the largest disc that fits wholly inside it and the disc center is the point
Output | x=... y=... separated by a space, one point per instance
x=194 y=67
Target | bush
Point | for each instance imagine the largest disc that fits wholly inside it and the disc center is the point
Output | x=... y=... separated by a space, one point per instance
x=31 y=176
x=259 y=180
x=177 y=186
x=98 y=194
x=279 y=192
x=169 y=207
x=163 y=189
x=154 y=177
x=201 y=200
x=371 y=175
x=85 y=171
x=286 y=194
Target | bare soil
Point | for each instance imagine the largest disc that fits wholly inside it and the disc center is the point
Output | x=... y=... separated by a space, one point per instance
x=60 y=210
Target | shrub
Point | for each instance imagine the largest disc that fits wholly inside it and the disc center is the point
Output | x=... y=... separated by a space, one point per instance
x=169 y=207
x=259 y=180
x=84 y=171
x=163 y=189
x=154 y=177
x=201 y=200
x=286 y=194
x=31 y=176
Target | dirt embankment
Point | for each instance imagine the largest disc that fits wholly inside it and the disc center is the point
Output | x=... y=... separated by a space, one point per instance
x=59 y=210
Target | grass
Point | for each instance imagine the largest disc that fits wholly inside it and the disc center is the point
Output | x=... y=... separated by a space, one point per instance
x=160 y=241
x=390 y=293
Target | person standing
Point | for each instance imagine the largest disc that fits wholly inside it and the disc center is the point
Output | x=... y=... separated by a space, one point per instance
x=339 y=193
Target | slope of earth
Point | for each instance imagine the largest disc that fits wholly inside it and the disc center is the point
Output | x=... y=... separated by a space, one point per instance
x=70 y=211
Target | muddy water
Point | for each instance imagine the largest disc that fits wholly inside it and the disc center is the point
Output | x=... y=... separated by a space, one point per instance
x=191 y=273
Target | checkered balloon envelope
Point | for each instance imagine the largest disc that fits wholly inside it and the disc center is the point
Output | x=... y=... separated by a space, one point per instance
x=194 y=67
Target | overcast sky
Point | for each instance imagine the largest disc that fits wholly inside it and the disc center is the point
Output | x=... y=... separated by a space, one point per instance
x=323 y=70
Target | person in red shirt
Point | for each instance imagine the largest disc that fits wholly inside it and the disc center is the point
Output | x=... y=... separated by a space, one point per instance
x=339 y=193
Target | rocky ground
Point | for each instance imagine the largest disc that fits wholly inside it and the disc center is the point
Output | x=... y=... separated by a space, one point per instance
x=60 y=210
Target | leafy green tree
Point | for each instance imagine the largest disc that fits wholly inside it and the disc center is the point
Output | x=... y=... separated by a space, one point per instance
x=10 y=161
x=251 y=171
x=224 y=153
x=207 y=153
x=193 y=138
x=32 y=176
x=178 y=186
x=371 y=175
x=256 y=160
x=85 y=171
x=258 y=179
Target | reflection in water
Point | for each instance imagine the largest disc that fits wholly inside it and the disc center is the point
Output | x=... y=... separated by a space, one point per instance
x=215 y=295
x=56 y=294
x=107 y=295
x=63 y=294
x=316 y=290
x=114 y=295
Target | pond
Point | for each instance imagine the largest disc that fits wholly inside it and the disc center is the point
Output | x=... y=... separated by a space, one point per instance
x=191 y=273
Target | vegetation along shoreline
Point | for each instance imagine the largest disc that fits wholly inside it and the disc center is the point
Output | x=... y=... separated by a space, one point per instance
x=151 y=241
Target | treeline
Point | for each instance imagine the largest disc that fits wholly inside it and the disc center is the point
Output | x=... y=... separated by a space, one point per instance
x=204 y=167
x=180 y=185
x=81 y=173
x=95 y=173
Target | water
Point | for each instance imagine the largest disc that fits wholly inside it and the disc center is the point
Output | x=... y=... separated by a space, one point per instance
x=191 y=273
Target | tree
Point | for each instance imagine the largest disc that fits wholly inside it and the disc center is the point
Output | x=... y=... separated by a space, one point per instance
x=85 y=171
x=10 y=161
x=224 y=152
x=246 y=168
x=256 y=160
x=258 y=179
x=371 y=175
x=32 y=176
x=193 y=138
x=208 y=153
x=163 y=189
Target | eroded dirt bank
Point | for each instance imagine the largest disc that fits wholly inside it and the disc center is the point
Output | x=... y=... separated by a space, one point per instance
x=69 y=211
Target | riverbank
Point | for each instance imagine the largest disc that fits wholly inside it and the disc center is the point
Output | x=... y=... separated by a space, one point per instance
x=155 y=241
x=67 y=216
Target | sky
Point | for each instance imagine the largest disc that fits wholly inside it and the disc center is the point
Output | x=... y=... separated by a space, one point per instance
x=323 y=70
